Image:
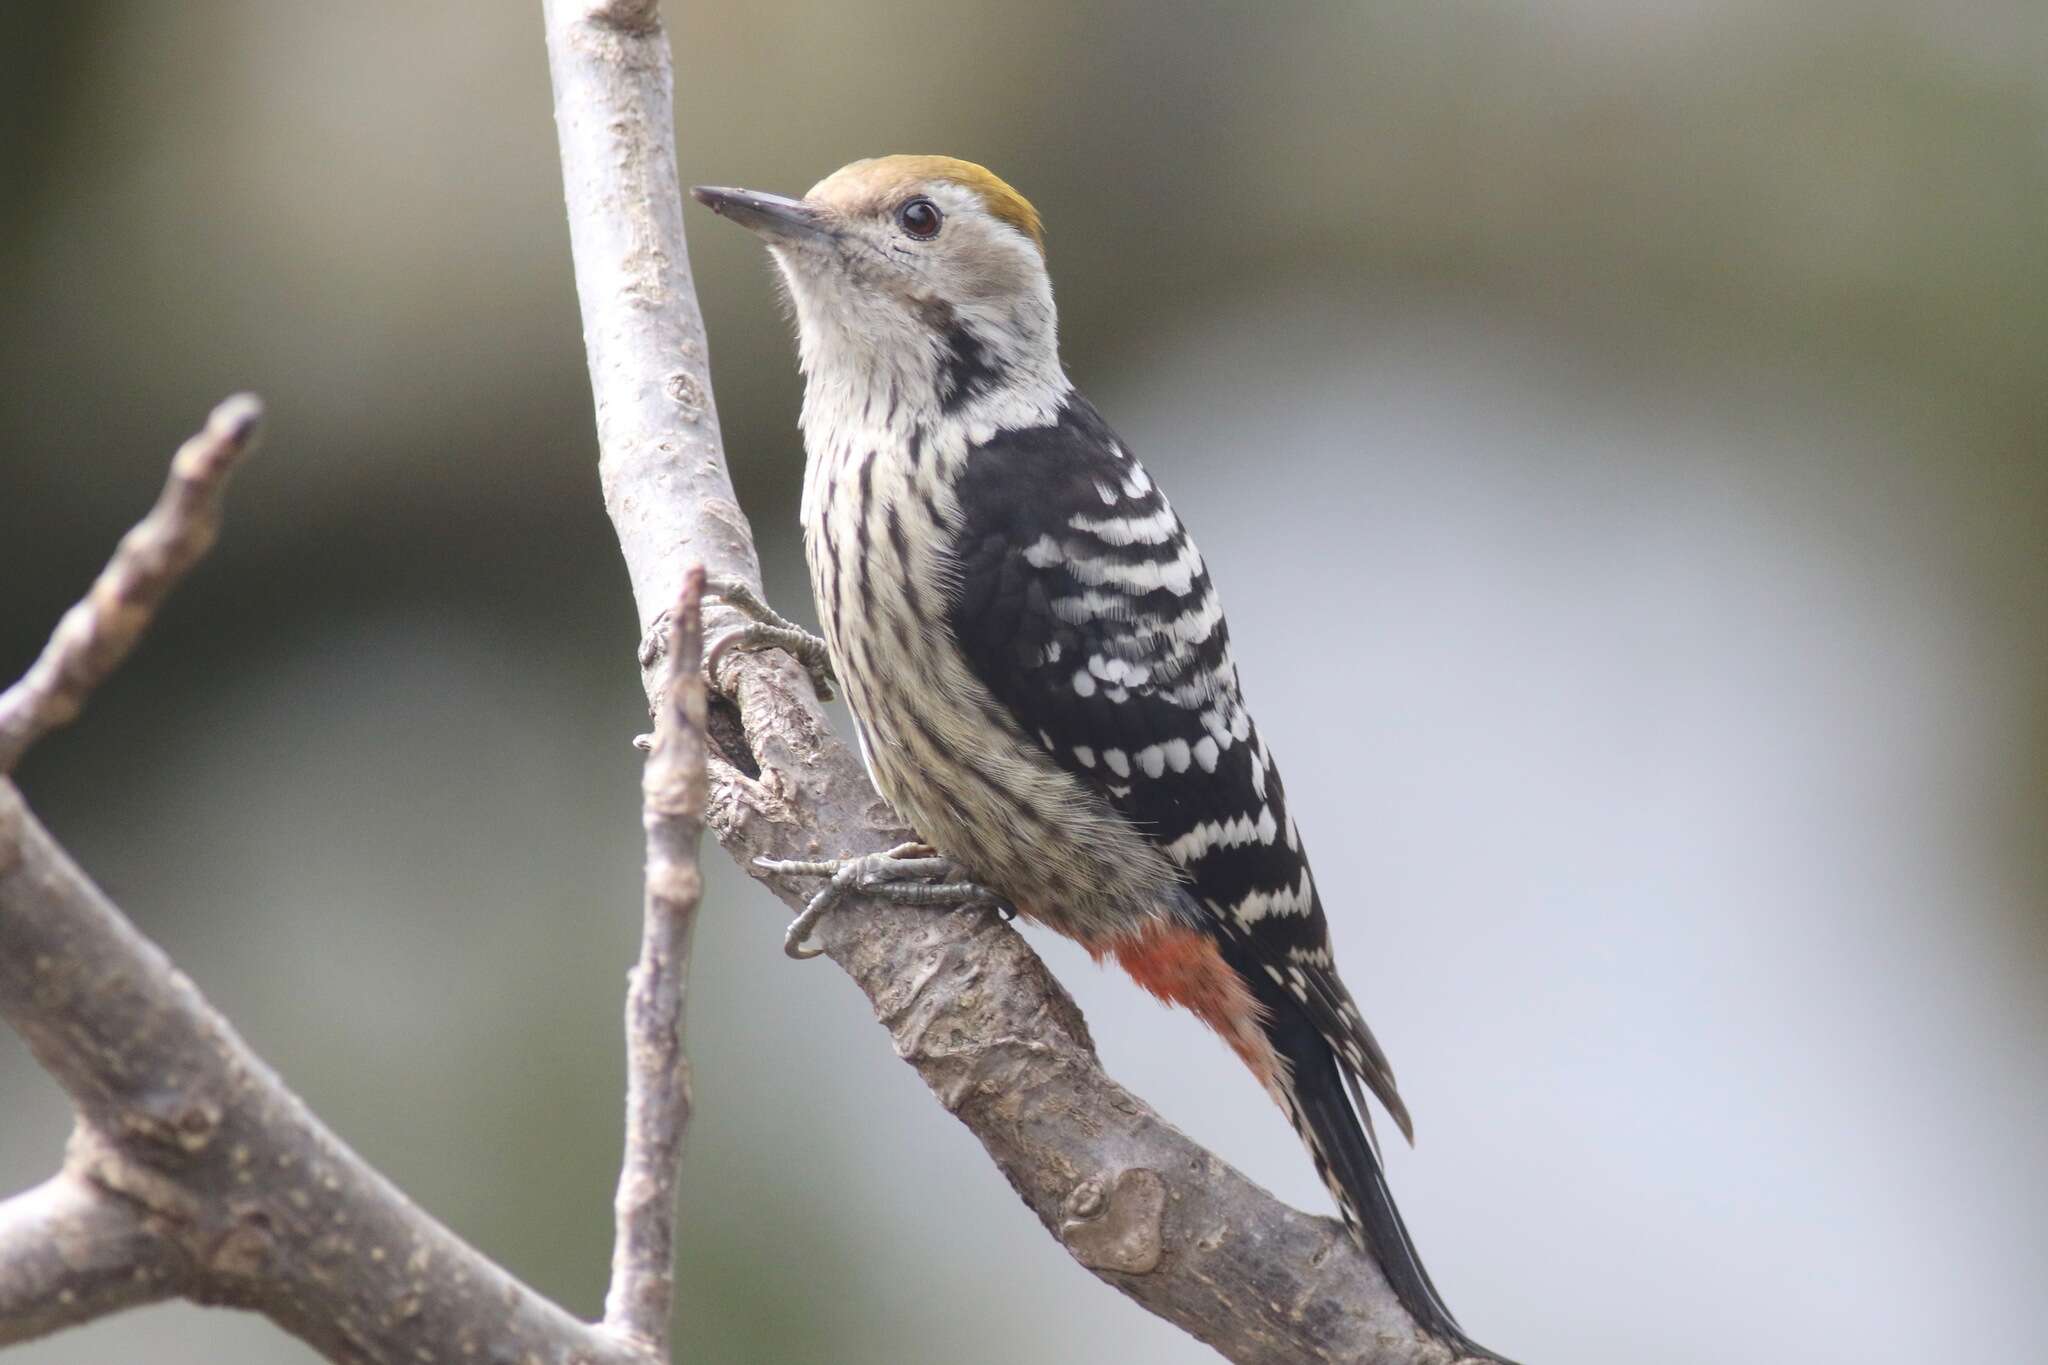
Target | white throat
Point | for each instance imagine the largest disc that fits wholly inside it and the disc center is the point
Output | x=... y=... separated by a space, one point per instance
x=876 y=370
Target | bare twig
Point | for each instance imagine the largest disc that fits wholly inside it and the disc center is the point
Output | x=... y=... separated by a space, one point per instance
x=97 y=634
x=658 y=1074
x=193 y=1170
x=71 y=1252
x=966 y=1001
x=244 y=1196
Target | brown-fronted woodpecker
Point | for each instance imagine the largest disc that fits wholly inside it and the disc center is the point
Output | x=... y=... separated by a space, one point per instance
x=1036 y=656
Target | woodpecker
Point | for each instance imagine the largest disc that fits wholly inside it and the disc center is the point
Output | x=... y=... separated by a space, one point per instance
x=1036 y=657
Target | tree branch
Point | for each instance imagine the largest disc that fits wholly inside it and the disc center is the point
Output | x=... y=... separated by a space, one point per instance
x=660 y=459
x=642 y=1293
x=189 y=1131
x=193 y=1170
x=71 y=1252
x=964 y=998
x=97 y=634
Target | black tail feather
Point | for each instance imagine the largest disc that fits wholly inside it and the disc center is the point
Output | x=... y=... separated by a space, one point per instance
x=1337 y=1139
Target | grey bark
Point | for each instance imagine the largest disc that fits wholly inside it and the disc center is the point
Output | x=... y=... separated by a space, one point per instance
x=673 y=794
x=71 y=1252
x=227 y=1190
x=193 y=1170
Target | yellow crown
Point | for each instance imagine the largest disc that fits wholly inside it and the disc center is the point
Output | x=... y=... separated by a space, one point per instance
x=883 y=177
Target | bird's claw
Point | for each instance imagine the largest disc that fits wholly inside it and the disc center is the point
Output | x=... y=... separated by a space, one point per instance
x=765 y=628
x=893 y=876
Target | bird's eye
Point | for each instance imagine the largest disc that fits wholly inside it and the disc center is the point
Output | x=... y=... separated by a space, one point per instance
x=920 y=217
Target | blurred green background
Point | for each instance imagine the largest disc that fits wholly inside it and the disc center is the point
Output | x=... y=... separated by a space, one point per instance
x=1621 y=434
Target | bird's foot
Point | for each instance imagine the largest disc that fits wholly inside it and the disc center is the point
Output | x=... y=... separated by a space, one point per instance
x=908 y=874
x=765 y=628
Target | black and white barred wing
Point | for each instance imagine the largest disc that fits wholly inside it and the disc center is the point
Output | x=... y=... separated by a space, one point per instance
x=1083 y=606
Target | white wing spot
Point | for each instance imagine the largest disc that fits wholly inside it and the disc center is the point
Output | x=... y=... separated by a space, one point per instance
x=1083 y=684
x=1177 y=756
x=1118 y=763
x=1206 y=753
x=1152 y=759
x=1218 y=728
x=1175 y=575
x=1085 y=754
x=1260 y=904
x=1154 y=529
x=1044 y=553
x=1232 y=833
x=1119 y=672
x=1196 y=626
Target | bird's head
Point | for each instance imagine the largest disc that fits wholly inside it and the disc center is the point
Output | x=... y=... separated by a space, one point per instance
x=921 y=276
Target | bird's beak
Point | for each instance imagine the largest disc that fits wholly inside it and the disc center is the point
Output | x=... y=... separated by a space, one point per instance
x=771 y=215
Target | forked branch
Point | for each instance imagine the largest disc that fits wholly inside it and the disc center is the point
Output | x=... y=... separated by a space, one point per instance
x=193 y=1170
